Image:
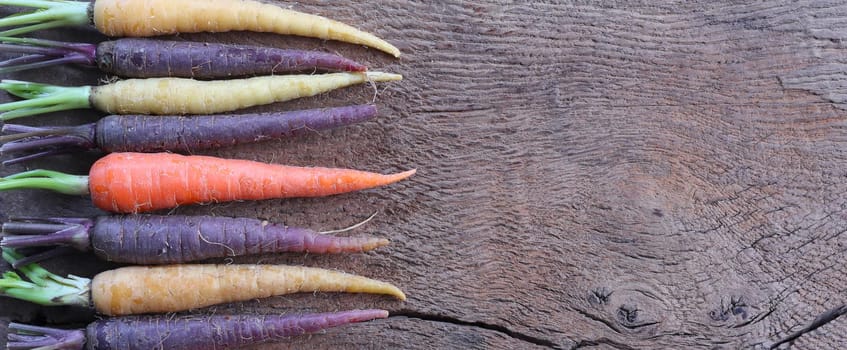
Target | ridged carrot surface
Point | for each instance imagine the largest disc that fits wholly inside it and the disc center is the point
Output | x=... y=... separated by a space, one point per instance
x=140 y=290
x=136 y=182
x=137 y=18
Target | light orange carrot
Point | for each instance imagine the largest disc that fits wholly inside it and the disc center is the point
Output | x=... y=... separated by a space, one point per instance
x=136 y=18
x=138 y=289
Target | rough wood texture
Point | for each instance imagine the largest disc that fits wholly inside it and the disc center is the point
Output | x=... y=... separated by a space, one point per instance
x=591 y=175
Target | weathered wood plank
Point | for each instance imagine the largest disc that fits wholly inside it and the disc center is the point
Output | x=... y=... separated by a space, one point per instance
x=591 y=174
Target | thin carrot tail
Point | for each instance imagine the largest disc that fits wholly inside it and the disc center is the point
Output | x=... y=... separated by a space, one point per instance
x=322 y=244
x=314 y=279
x=366 y=181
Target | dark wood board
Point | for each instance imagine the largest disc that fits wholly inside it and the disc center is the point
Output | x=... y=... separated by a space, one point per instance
x=628 y=175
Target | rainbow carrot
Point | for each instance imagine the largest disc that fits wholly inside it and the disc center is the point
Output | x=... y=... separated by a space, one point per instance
x=181 y=332
x=154 y=239
x=142 y=18
x=138 y=182
x=176 y=95
x=183 y=134
x=149 y=58
x=170 y=288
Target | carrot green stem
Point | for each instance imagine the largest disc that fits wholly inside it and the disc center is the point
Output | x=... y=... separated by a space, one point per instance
x=22 y=336
x=47 y=14
x=41 y=98
x=43 y=287
x=46 y=180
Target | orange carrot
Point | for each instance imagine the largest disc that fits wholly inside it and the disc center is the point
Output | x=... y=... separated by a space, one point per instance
x=141 y=290
x=138 y=182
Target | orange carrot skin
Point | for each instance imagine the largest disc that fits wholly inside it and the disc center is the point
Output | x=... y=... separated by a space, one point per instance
x=139 y=182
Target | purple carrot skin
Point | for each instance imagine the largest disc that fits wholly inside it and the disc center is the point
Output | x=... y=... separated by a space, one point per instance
x=183 y=333
x=149 y=58
x=152 y=239
x=182 y=134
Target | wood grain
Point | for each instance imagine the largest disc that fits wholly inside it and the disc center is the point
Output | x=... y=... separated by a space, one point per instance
x=591 y=175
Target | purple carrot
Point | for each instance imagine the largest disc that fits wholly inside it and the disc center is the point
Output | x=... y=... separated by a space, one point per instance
x=152 y=239
x=149 y=58
x=134 y=133
x=178 y=333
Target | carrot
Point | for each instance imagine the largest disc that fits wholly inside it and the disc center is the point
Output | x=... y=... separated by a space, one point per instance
x=171 y=288
x=137 y=182
x=174 y=133
x=182 y=332
x=153 y=239
x=176 y=95
x=147 y=58
x=143 y=18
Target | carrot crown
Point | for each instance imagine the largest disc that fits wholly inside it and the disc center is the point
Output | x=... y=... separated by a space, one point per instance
x=46 y=180
x=47 y=14
x=43 y=287
x=41 y=98
x=40 y=53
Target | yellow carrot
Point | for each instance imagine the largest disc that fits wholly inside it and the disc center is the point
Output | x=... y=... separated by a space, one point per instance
x=140 y=18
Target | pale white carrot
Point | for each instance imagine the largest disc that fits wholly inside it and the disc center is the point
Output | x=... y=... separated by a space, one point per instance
x=187 y=96
x=176 y=95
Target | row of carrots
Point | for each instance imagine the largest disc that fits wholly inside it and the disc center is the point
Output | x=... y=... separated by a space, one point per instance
x=172 y=79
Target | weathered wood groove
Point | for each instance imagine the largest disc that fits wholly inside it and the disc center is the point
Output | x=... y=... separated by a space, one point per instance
x=820 y=321
x=487 y=326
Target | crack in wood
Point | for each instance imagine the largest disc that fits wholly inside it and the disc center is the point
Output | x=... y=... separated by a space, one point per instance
x=826 y=317
x=483 y=325
x=602 y=341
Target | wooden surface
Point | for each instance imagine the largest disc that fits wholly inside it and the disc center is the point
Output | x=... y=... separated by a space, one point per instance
x=611 y=175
